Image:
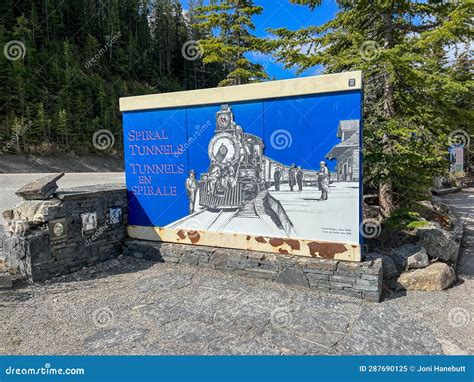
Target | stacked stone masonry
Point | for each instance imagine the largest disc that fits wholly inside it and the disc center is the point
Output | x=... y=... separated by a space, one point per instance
x=38 y=251
x=362 y=280
x=38 y=254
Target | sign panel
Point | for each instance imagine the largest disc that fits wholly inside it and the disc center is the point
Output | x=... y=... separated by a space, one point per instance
x=456 y=156
x=273 y=166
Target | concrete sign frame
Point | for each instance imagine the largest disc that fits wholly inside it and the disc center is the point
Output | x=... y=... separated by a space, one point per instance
x=273 y=166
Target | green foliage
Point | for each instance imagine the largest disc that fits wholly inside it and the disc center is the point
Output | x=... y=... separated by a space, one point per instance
x=80 y=57
x=404 y=219
x=229 y=25
x=415 y=95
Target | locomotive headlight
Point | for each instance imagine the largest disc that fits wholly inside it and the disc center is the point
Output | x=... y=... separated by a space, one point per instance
x=223 y=148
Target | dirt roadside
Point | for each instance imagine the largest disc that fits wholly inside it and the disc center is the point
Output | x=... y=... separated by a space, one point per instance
x=15 y=164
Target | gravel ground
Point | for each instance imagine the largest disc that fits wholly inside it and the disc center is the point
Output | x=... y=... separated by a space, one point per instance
x=130 y=306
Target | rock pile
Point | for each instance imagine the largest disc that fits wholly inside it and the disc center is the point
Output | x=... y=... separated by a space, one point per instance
x=428 y=265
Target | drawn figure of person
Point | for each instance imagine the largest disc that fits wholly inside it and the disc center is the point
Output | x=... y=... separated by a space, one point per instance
x=323 y=180
x=214 y=176
x=227 y=179
x=276 y=178
x=91 y=222
x=292 y=176
x=299 y=178
x=191 y=190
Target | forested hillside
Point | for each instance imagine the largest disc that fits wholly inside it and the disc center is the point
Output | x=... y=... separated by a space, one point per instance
x=65 y=64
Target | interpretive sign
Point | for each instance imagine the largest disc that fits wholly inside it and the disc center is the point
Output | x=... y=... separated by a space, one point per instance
x=456 y=156
x=273 y=166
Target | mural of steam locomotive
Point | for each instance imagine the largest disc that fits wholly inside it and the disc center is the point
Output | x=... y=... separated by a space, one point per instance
x=238 y=170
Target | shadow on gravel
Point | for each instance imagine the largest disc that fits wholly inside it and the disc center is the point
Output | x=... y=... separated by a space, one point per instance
x=98 y=271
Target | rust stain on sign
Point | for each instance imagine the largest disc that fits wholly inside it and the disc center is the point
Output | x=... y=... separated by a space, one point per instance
x=194 y=236
x=286 y=246
x=294 y=244
x=276 y=241
x=325 y=250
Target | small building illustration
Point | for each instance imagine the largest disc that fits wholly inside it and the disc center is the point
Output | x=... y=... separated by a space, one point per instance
x=346 y=152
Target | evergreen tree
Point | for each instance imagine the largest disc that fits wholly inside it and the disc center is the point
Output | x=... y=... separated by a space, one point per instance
x=79 y=58
x=410 y=92
x=232 y=20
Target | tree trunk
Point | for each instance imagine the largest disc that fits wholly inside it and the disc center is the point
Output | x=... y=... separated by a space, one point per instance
x=386 y=188
x=386 y=198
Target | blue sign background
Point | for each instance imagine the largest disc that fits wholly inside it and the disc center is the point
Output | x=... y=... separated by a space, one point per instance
x=311 y=122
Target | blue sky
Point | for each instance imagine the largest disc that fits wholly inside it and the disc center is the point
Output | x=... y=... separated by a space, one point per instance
x=281 y=13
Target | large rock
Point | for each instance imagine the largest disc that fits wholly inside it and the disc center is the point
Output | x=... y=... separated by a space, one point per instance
x=410 y=256
x=437 y=276
x=439 y=243
x=41 y=188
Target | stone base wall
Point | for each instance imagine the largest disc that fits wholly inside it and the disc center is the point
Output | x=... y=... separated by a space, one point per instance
x=362 y=280
x=43 y=249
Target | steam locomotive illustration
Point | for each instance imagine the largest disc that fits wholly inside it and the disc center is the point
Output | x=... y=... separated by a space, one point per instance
x=238 y=170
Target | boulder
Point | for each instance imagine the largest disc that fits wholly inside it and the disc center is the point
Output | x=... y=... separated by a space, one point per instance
x=439 y=243
x=41 y=188
x=410 y=256
x=435 y=277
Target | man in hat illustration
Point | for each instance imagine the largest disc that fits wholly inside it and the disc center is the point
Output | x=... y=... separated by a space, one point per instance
x=276 y=178
x=323 y=180
x=292 y=176
x=191 y=190
x=299 y=178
